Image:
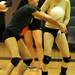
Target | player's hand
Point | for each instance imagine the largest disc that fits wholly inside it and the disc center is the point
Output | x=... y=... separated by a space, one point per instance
x=63 y=28
x=3 y=7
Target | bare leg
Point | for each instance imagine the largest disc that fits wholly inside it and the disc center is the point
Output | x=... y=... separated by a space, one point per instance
x=37 y=35
x=23 y=49
x=19 y=69
x=29 y=43
x=62 y=44
x=25 y=54
x=11 y=44
x=48 y=44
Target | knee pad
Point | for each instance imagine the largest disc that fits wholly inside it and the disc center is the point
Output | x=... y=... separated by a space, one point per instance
x=15 y=61
x=66 y=59
x=27 y=62
x=46 y=59
x=44 y=72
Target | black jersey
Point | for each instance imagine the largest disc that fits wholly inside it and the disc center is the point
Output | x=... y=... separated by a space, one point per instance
x=23 y=15
x=21 y=18
x=36 y=23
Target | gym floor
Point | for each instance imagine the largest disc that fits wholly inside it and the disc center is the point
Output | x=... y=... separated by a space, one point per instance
x=53 y=66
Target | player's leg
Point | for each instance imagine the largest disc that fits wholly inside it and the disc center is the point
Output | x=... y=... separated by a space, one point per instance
x=29 y=42
x=62 y=44
x=11 y=41
x=12 y=46
x=25 y=55
x=37 y=36
x=48 y=43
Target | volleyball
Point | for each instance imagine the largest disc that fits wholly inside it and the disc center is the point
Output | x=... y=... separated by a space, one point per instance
x=57 y=13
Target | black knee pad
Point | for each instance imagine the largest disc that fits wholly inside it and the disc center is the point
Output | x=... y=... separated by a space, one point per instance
x=46 y=59
x=44 y=73
x=66 y=59
x=27 y=62
x=15 y=61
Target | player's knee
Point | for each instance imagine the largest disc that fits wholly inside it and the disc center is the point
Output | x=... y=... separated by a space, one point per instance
x=67 y=59
x=15 y=61
x=27 y=62
x=46 y=59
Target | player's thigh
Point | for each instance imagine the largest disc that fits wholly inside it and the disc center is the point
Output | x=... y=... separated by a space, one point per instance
x=62 y=44
x=28 y=38
x=48 y=41
x=37 y=36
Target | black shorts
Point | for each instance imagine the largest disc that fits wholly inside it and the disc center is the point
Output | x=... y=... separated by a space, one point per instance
x=9 y=33
x=13 y=31
x=52 y=31
x=35 y=25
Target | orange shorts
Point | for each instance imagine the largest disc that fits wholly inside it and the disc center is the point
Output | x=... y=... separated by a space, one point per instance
x=24 y=31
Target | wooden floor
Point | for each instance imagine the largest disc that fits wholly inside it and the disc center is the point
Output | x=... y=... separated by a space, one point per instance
x=53 y=67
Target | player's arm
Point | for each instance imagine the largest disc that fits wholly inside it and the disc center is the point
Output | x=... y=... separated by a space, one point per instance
x=45 y=5
x=43 y=16
x=67 y=13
